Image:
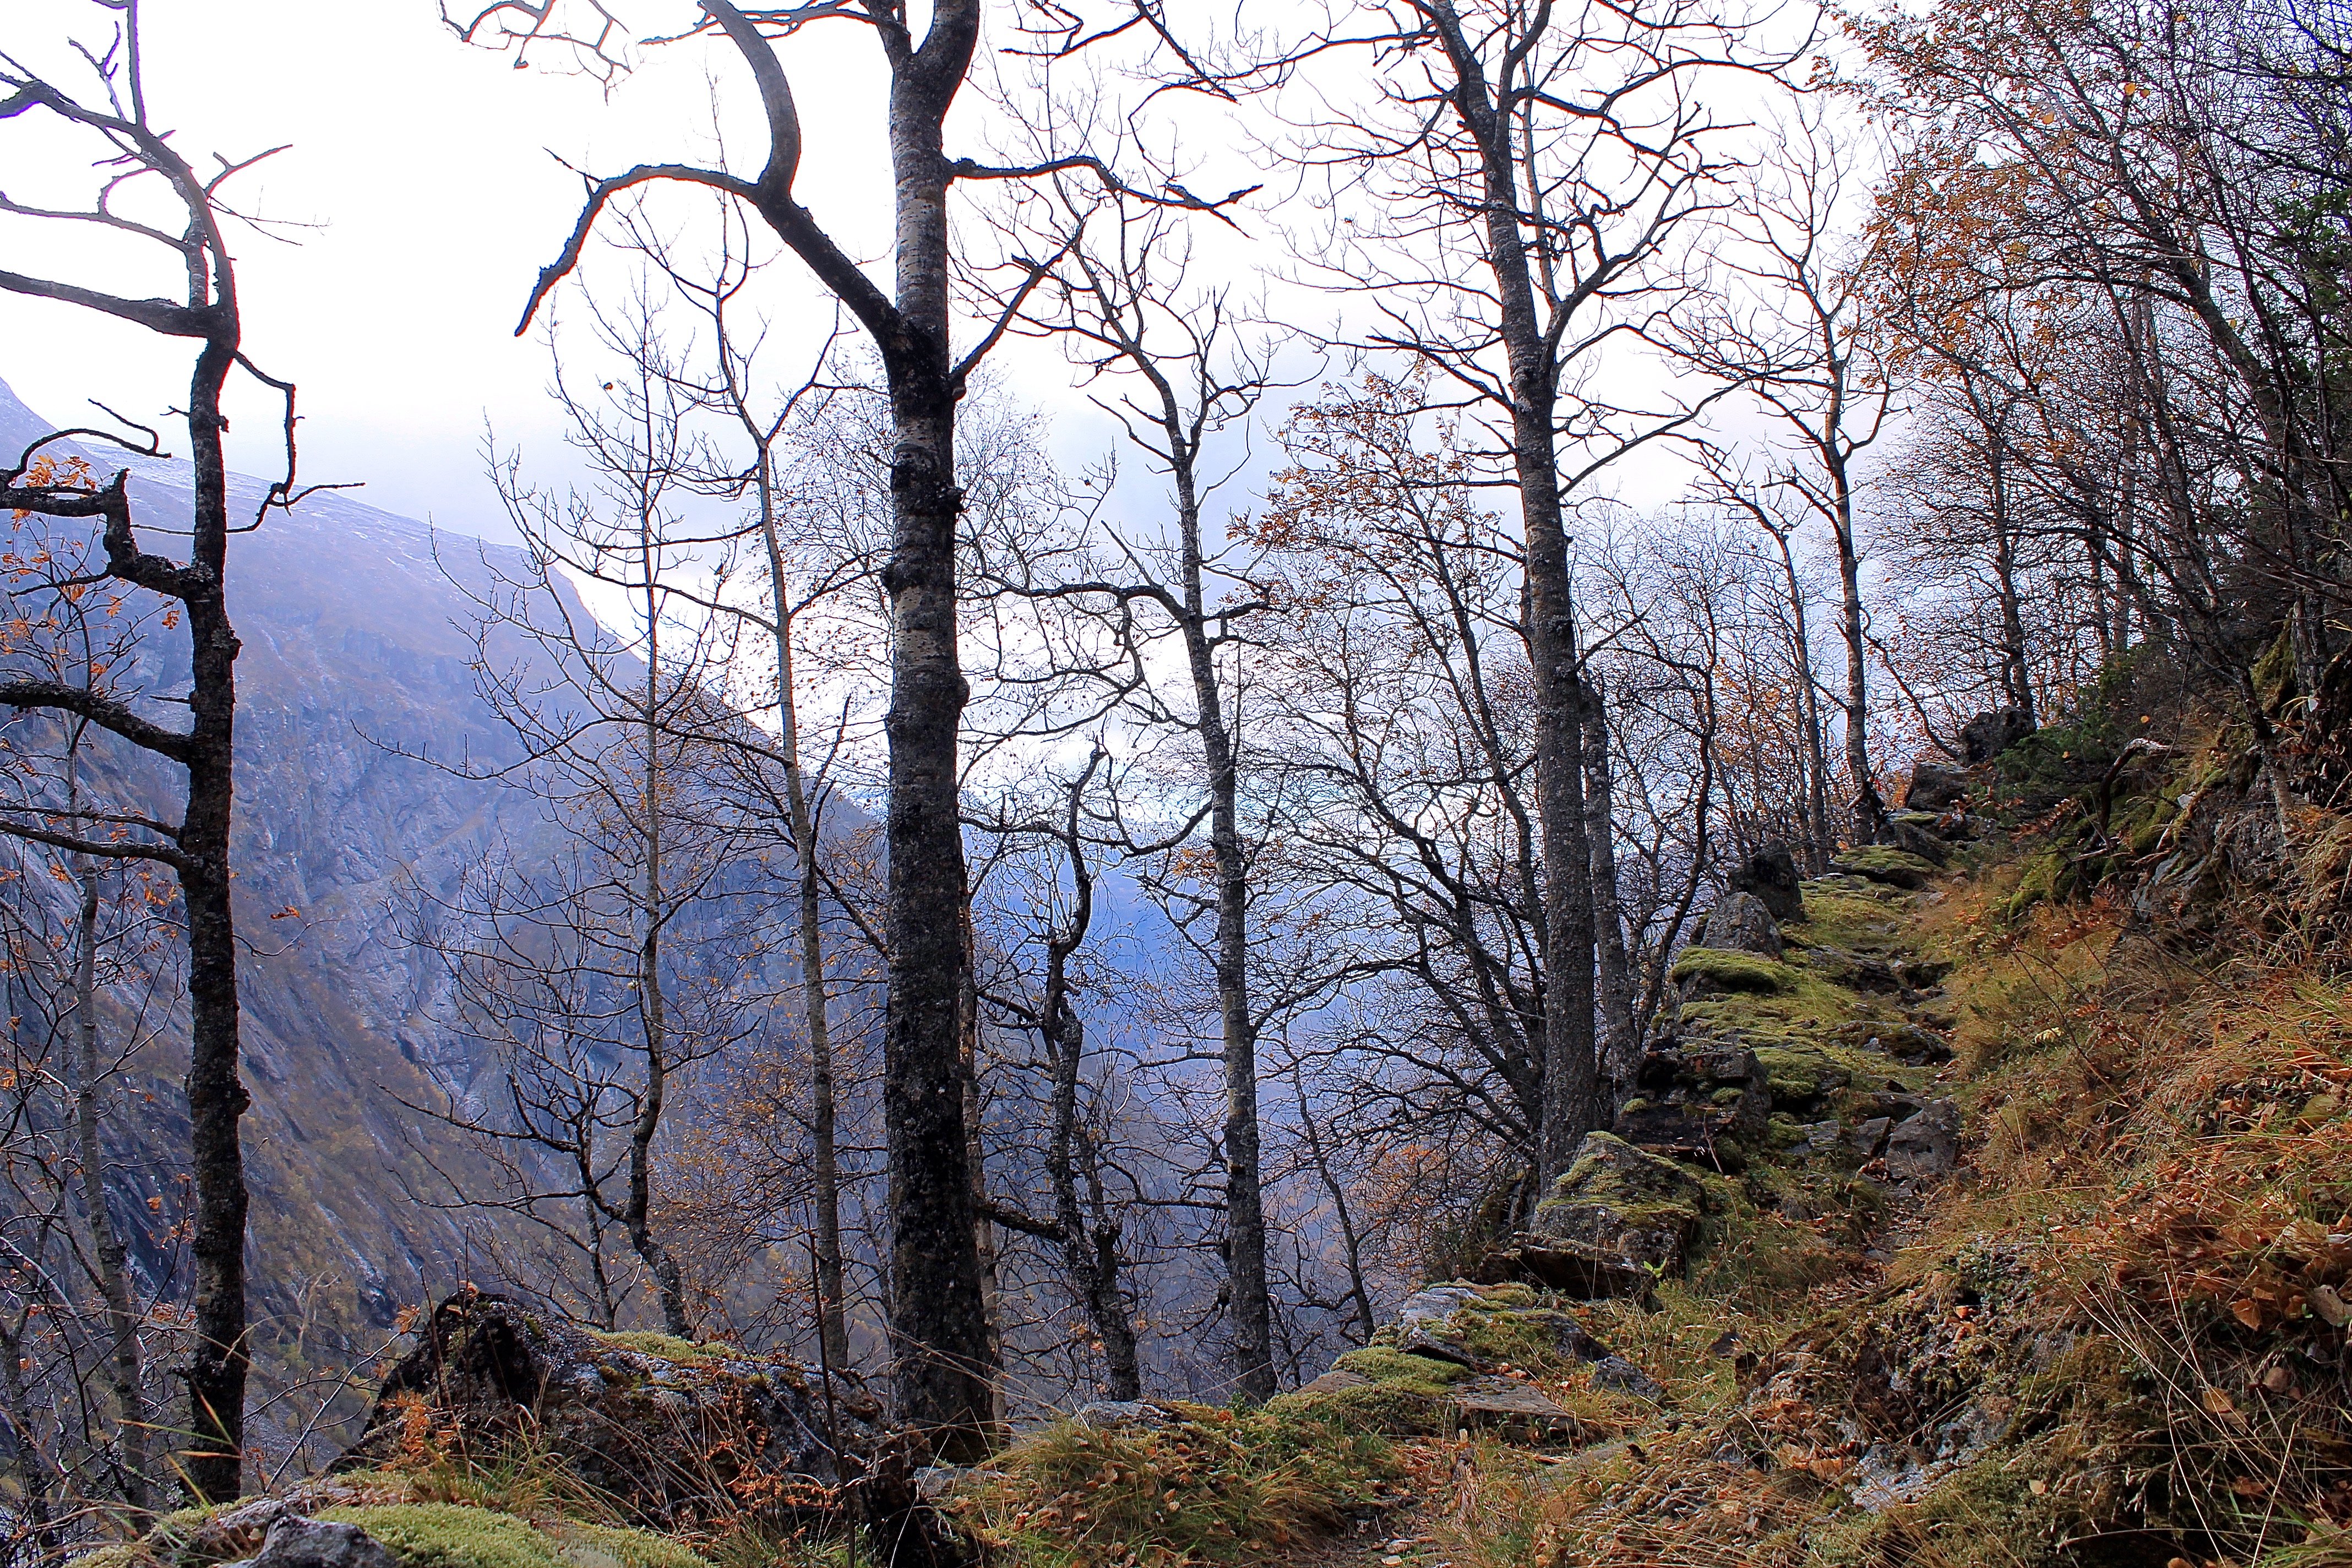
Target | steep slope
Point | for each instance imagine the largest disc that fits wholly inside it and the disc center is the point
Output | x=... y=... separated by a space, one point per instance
x=354 y=663
x=1955 y=1226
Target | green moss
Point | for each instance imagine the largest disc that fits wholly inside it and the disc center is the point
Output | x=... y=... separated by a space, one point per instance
x=1390 y=1408
x=2045 y=879
x=1848 y=918
x=1800 y=1072
x=1416 y=1373
x=669 y=1347
x=1726 y=970
x=445 y=1535
x=1883 y=863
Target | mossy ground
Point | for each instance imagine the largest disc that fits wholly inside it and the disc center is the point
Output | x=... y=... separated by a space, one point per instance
x=447 y=1535
x=1214 y=1486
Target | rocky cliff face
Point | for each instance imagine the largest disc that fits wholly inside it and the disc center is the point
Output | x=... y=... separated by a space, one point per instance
x=355 y=670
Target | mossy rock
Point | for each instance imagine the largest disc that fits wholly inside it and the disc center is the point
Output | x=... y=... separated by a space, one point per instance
x=668 y=1431
x=1703 y=969
x=1394 y=1409
x=1883 y=863
x=1415 y=1373
x=1796 y=1074
x=668 y=1347
x=1625 y=1202
x=445 y=1535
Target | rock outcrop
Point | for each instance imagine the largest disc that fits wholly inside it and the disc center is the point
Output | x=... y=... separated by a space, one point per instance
x=1935 y=790
x=664 y=1428
x=1988 y=735
x=1626 y=1205
x=1771 y=876
x=1706 y=1104
x=1740 y=923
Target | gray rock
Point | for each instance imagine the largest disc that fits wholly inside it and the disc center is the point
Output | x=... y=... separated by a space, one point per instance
x=1436 y=1303
x=1624 y=1204
x=1567 y=1267
x=297 y=1542
x=1868 y=1138
x=1988 y=735
x=1914 y=840
x=1501 y=1402
x=1615 y=1372
x=1741 y=923
x=1934 y=789
x=1927 y=1144
x=1771 y=876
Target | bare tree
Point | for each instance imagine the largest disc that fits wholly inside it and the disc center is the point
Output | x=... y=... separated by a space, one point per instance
x=1117 y=303
x=1806 y=348
x=1559 y=159
x=944 y=1367
x=134 y=153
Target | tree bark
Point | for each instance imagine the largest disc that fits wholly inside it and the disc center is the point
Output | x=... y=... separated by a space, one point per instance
x=652 y=915
x=1620 y=1045
x=1570 y=1067
x=221 y=1358
x=824 y=1158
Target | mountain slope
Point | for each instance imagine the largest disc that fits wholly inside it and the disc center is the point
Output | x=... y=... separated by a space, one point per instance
x=355 y=665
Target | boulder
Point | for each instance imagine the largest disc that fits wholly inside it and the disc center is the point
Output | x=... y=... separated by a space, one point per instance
x=1988 y=735
x=294 y=1541
x=1884 y=864
x=664 y=1428
x=1625 y=1204
x=1914 y=840
x=1705 y=971
x=1739 y=922
x=1521 y=1409
x=1709 y=1106
x=1926 y=1144
x=1934 y=789
x=1569 y=1268
x=1770 y=877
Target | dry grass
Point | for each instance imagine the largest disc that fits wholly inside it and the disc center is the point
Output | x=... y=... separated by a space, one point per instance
x=1216 y=1486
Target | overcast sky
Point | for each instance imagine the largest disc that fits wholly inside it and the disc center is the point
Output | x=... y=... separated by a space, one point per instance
x=420 y=198
x=420 y=173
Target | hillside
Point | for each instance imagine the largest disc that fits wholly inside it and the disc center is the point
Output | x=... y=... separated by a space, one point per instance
x=1958 y=1223
x=353 y=653
x=2037 y=1252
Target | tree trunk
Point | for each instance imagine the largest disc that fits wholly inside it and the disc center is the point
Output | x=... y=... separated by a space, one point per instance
x=825 y=1159
x=637 y=1213
x=1244 y=1199
x=1090 y=1254
x=220 y=1358
x=944 y=1369
x=1868 y=822
x=1620 y=1047
x=1570 y=1067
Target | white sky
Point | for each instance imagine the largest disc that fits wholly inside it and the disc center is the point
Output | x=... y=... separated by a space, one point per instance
x=423 y=170
x=424 y=167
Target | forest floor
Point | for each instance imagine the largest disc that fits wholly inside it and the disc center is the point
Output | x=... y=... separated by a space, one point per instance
x=2111 y=1334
